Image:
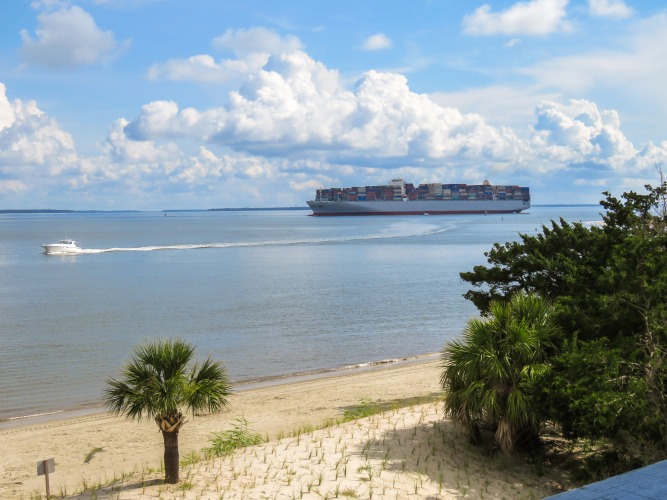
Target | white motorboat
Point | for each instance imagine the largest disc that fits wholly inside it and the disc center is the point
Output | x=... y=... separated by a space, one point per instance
x=62 y=247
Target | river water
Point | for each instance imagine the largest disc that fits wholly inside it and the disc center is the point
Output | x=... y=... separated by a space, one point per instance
x=268 y=293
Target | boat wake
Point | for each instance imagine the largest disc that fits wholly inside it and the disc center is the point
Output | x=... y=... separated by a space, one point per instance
x=414 y=230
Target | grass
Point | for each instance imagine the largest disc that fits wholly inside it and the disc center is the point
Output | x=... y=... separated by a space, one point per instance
x=367 y=408
x=184 y=486
x=89 y=456
x=190 y=459
x=226 y=442
x=371 y=465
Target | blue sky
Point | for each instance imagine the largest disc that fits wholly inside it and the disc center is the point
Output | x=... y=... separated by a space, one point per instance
x=156 y=104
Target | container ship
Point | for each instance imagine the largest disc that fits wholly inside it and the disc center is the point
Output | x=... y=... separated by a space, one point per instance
x=399 y=198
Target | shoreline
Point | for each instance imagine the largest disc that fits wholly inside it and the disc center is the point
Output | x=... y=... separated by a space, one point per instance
x=238 y=385
x=405 y=452
x=130 y=445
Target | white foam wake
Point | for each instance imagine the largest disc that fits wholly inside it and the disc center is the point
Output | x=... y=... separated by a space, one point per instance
x=400 y=230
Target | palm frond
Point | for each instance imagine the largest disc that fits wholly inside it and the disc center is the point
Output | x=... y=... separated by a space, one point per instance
x=208 y=388
x=484 y=372
x=158 y=383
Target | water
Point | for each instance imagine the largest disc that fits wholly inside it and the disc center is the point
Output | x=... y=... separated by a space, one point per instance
x=267 y=293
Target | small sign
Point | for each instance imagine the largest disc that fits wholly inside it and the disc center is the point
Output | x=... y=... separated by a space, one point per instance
x=47 y=466
x=44 y=468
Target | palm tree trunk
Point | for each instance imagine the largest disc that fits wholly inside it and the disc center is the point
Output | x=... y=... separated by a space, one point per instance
x=170 y=457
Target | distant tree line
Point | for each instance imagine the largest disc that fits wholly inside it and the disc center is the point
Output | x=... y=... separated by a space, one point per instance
x=573 y=334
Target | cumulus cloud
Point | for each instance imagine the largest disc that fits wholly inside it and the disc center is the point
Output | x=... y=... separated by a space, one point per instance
x=379 y=41
x=164 y=161
x=534 y=17
x=29 y=137
x=293 y=122
x=296 y=107
x=68 y=38
x=122 y=149
x=609 y=8
x=251 y=49
x=7 y=116
x=578 y=134
x=295 y=111
x=34 y=150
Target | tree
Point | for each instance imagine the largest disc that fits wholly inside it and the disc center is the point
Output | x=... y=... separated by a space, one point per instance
x=159 y=383
x=608 y=284
x=601 y=279
x=486 y=374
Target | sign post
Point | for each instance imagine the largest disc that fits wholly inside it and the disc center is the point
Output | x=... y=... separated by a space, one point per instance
x=44 y=467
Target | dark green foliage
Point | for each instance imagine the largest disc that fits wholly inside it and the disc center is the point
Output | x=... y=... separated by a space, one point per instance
x=593 y=392
x=600 y=278
x=161 y=383
x=486 y=374
x=608 y=284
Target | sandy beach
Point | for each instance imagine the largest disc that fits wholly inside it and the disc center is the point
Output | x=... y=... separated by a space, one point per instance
x=409 y=452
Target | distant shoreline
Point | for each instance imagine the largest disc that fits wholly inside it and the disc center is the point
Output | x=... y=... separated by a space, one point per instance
x=195 y=210
x=171 y=210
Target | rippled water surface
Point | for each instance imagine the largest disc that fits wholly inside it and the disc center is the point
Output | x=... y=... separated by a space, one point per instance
x=269 y=293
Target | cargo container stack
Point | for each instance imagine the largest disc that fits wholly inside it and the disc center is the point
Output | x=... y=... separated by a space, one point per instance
x=398 y=190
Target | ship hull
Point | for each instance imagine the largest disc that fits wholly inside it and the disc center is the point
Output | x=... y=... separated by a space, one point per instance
x=417 y=207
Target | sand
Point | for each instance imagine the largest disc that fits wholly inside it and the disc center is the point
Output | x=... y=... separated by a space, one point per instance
x=411 y=452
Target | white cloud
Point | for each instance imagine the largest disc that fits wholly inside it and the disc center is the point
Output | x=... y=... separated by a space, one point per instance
x=28 y=137
x=379 y=41
x=33 y=148
x=12 y=186
x=295 y=114
x=68 y=38
x=204 y=69
x=641 y=65
x=500 y=105
x=124 y=150
x=583 y=132
x=7 y=116
x=296 y=107
x=255 y=40
x=252 y=48
x=534 y=17
x=609 y=8
x=292 y=121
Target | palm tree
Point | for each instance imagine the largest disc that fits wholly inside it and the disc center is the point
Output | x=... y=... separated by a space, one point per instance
x=485 y=374
x=158 y=383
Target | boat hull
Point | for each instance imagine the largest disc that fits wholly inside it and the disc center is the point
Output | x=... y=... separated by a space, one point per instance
x=60 y=249
x=417 y=207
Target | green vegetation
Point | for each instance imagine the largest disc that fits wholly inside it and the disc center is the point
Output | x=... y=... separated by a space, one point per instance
x=365 y=408
x=159 y=383
x=486 y=374
x=89 y=456
x=224 y=443
x=606 y=379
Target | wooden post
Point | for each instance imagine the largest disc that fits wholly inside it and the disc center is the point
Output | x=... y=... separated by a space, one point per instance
x=46 y=478
x=43 y=469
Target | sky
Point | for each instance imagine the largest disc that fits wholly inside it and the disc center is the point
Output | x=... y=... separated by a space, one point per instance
x=166 y=104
